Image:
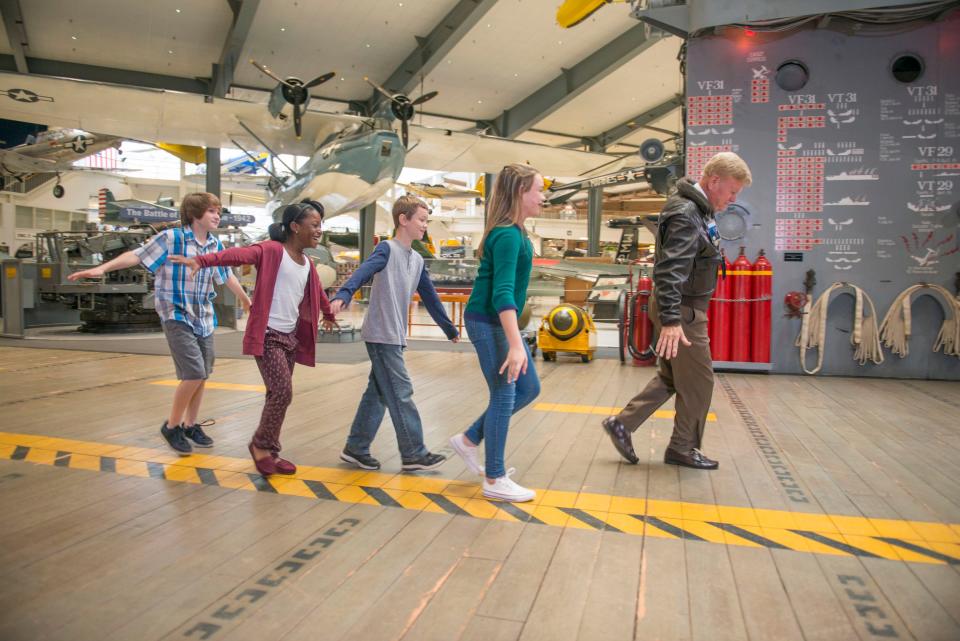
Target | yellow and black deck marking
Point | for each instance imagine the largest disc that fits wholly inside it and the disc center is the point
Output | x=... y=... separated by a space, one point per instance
x=566 y=408
x=911 y=541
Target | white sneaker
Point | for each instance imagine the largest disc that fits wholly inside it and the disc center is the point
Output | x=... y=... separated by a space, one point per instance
x=505 y=489
x=467 y=452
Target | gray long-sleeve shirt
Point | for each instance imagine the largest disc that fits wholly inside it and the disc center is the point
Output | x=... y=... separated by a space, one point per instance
x=397 y=273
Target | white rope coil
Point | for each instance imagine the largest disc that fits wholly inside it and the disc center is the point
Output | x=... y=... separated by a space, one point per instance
x=896 y=325
x=813 y=331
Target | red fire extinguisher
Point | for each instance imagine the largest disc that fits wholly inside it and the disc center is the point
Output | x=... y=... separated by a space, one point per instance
x=762 y=295
x=641 y=325
x=740 y=290
x=718 y=316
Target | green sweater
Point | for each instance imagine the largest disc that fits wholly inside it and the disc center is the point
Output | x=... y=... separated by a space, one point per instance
x=503 y=276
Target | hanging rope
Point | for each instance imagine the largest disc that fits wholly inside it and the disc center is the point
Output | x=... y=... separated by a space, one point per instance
x=895 y=328
x=813 y=331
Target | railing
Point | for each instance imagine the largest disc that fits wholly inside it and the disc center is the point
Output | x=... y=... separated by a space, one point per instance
x=28 y=184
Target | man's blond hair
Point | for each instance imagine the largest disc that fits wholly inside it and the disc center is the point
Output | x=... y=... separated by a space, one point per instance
x=728 y=164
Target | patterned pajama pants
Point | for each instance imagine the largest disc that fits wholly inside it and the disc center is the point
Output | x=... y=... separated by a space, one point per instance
x=276 y=368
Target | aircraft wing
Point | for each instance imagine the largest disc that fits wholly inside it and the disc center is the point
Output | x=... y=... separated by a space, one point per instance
x=440 y=191
x=155 y=115
x=189 y=119
x=447 y=150
x=19 y=163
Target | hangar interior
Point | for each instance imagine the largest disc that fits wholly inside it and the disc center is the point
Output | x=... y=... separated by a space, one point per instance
x=834 y=334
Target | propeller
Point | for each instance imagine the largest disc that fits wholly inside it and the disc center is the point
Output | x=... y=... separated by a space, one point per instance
x=295 y=92
x=402 y=107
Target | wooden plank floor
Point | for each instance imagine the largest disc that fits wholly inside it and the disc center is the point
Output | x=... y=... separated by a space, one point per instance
x=90 y=554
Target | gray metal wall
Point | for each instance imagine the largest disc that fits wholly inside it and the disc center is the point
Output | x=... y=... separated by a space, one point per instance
x=878 y=163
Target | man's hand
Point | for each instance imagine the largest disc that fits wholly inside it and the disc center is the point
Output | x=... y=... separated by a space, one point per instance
x=93 y=272
x=335 y=306
x=191 y=263
x=669 y=342
x=246 y=303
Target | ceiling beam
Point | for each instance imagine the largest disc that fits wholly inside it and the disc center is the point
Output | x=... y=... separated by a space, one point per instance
x=109 y=75
x=434 y=47
x=616 y=134
x=572 y=82
x=222 y=76
x=16 y=33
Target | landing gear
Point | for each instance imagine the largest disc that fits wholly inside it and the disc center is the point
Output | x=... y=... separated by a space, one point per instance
x=58 y=191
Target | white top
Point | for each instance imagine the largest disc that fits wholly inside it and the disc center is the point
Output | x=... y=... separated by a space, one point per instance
x=288 y=293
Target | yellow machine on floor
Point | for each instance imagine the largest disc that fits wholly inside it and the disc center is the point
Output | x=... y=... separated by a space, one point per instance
x=567 y=328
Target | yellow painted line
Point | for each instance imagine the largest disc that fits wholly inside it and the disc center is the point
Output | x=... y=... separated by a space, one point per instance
x=234 y=387
x=899 y=540
x=602 y=410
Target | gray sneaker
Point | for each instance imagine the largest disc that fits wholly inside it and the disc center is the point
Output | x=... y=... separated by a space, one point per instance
x=196 y=434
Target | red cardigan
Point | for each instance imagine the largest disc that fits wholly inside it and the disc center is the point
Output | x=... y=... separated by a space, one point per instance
x=267 y=257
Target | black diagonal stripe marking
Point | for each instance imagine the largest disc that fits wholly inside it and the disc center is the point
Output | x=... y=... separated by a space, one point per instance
x=207 y=477
x=62 y=459
x=750 y=536
x=261 y=483
x=156 y=470
x=933 y=554
x=320 y=490
x=589 y=519
x=19 y=453
x=380 y=496
x=448 y=506
x=516 y=512
x=108 y=464
x=837 y=545
x=666 y=527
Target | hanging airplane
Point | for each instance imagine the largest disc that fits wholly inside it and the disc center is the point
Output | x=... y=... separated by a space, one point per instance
x=352 y=159
x=54 y=151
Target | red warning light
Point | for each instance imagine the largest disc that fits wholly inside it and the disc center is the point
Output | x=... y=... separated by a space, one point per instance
x=750 y=32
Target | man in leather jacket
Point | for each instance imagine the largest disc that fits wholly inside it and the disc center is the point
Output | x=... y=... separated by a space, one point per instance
x=685 y=269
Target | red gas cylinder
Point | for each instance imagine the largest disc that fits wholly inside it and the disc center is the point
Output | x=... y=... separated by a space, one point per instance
x=641 y=325
x=740 y=290
x=762 y=289
x=718 y=316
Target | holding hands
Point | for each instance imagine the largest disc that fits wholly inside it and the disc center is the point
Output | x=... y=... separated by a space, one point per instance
x=191 y=263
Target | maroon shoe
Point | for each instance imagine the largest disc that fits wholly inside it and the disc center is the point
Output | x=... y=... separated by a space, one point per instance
x=266 y=466
x=283 y=465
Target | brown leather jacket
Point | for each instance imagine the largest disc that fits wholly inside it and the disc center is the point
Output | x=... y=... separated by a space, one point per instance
x=686 y=260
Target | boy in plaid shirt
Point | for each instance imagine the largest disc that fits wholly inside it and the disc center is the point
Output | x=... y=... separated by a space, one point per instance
x=185 y=306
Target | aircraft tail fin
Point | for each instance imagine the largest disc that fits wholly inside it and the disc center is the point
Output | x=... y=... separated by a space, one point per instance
x=105 y=198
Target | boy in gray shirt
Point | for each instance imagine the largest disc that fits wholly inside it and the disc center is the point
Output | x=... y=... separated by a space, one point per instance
x=397 y=272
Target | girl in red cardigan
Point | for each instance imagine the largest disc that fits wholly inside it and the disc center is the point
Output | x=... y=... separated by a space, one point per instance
x=282 y=326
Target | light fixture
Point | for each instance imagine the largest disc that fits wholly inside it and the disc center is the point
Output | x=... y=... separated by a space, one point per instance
x=368 y=45
x=177 y=10
x=73 y=37
x=283 y=28
x=169 y=50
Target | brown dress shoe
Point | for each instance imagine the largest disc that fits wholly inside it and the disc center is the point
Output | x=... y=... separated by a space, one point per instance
x=620 y=436
x=694 y=458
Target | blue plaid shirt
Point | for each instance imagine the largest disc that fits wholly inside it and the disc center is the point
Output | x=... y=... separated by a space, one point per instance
x=179 y=297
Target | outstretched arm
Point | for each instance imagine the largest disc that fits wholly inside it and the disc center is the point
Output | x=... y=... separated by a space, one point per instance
x=363 y=275
x=123 y=261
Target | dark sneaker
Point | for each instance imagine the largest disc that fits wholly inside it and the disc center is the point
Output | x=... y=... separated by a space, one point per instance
x=196 y=434
x=176 y=439
x=363 y=461
x=428 y=461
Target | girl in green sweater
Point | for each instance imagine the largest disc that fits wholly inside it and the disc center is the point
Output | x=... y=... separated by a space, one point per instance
x=499 y=294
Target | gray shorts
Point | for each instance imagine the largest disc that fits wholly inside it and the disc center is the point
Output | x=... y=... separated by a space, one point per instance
x=192 y=354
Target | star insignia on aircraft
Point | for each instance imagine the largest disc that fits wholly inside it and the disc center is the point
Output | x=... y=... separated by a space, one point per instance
x=25 y=95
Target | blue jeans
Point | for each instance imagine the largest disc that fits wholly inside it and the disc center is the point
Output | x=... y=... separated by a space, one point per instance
x=506 y=399
x=390 y=388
